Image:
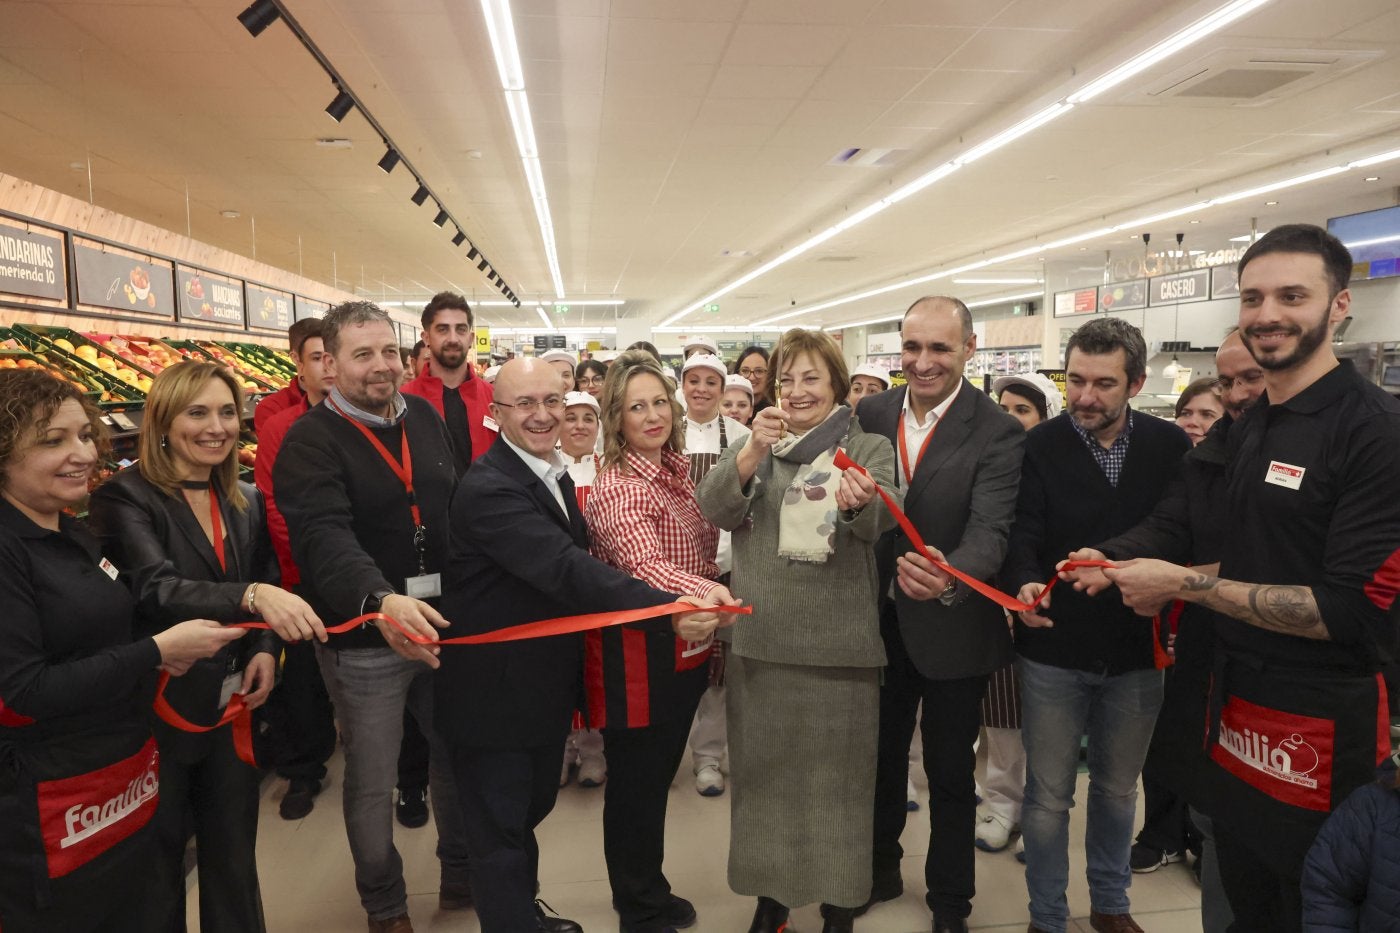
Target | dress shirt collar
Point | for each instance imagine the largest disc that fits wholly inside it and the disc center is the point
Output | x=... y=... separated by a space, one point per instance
x=397 y=409
x=938 y=411
x=546 y=469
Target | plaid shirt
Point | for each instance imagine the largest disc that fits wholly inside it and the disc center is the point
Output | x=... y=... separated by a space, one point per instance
x=643 y=520
x=1110 y=459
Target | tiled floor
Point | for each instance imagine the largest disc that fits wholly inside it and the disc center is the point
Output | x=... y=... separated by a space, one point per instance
x=308 y=885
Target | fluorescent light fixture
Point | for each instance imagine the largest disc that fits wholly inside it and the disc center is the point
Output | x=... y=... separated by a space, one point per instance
x=1174 y=43
x=1198 y=30
x=885 y=319
x=1006 y=281
x=545 y=317
x=1246 y=238
x=501 y=28
x=722 y=329
x=1278 y=185
x=1376 y=159
x=519 y=106
x=1004 y=299
x=1139 y=222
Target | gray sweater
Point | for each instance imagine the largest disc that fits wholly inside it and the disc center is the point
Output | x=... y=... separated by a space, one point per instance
x=813 y=614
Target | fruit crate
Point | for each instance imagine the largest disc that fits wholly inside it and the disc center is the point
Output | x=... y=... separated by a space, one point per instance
x=147 y=353
x=129 y=367
x=265 y=363
x=213 y=353
x=20 y=343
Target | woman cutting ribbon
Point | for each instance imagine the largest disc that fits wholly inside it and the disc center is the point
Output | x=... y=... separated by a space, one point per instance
x=78 y=783
x=190 y=539
x=803 y=674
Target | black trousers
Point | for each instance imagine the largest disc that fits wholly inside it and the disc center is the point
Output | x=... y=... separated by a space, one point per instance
x=413 y=755
x=1262 y=900
x=505 y=794
x=641 y=765
x=952 y=714
x=205 y=790
x=302 y=717
x=1166 y=823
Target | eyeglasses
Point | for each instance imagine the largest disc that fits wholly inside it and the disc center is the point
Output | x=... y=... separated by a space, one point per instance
x=1226 y=383
x=748 y=373
x=528 y=406
x=591 y=381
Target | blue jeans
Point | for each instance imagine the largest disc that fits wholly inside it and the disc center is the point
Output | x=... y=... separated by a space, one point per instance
x=370 y=688
x=1059 y=706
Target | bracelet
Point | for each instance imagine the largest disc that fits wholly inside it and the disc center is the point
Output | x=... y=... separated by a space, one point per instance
x=253 y=598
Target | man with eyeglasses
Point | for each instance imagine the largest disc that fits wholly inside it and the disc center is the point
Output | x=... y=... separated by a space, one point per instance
x=504 y=710
x=450 y=383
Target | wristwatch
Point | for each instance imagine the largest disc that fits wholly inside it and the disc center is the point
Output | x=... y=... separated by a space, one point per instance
x=374 y=602
x=946 y=597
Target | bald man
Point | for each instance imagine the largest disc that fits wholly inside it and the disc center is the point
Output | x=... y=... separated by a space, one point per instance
x=519 y=553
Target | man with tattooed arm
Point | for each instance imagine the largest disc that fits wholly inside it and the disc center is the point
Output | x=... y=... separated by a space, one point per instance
x=1303 y=596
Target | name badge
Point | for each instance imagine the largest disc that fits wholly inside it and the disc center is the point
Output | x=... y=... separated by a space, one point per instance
x=423 y=586
x=232 y=683
x=108 y=568
x=692 y=648
x=1285 y=475
x=490 y=424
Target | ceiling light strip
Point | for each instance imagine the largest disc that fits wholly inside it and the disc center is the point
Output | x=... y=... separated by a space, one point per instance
x=500 y=27
x=1198 y=30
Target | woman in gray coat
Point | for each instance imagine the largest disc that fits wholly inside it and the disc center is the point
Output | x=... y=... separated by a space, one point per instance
x=803 y=672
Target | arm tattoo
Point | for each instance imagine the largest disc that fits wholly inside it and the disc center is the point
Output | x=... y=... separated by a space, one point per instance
x=1290 y=610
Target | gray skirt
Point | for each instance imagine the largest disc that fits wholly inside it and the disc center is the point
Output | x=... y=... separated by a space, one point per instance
x=802 y=745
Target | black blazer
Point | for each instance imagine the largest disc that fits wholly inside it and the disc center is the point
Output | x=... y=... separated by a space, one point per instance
x=165 y=558
x=515 y=557
x=963 y=501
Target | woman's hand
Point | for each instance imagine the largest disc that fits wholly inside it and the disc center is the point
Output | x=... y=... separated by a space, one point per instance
x=855 y=492
x=288 y=614
x=720 y=596
x=767 y=428
x=258 y=678
x=183 y=644
x=696 y=626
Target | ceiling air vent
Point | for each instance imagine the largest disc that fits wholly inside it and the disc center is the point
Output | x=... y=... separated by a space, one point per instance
x=868 y=158
x=1248 y=77
x=837 y=258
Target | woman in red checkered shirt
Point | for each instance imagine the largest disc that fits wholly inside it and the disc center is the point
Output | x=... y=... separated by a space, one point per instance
x=643 y=682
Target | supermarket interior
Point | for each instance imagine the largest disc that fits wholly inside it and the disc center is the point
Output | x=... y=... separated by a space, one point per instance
x=186 y=179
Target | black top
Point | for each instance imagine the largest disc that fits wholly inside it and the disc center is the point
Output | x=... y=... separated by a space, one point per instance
x=348 y=517
x=516 y=559
x=454 y=412
x=67 y=659
x=1066 y=503
x=1338 y=531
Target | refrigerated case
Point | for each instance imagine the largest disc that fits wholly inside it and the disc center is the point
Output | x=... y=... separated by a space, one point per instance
x=1003 y=361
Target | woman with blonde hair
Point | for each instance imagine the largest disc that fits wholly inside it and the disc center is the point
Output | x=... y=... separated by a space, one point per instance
x=803 y=673
x=643 y=682
x=190 y=539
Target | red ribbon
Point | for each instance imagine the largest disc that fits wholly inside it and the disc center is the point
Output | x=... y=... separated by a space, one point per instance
x=843 y=462
x=240 y=716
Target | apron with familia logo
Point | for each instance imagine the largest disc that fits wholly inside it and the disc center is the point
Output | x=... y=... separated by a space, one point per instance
x=700 y=465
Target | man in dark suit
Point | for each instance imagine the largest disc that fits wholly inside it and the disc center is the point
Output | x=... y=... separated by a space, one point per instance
x=959 y=465
x=519 y=553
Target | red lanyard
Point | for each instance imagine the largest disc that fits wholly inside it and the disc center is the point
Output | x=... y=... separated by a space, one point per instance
x=404 y=472
x=904 y=450
x=216 y=525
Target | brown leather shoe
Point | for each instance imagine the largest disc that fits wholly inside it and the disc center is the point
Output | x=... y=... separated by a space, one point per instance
x=392 y=925
x=1114 y=923
x=1032 y=928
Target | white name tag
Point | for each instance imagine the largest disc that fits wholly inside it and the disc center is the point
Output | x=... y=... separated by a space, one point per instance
x=232 y=683
x=1285 y=474
x=423 y=586
x=490 y=424
x=108 y=568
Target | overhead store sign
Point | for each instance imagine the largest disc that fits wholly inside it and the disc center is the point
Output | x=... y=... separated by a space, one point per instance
x=483 y=341
x=31 y=264
x=209 y=298
x=1224 y=282
x=269 y=309
x=1181 y=288
x=877 y=344
x=1076 y=301
x=1125 y=296
x=108 y=279
x=307 y=307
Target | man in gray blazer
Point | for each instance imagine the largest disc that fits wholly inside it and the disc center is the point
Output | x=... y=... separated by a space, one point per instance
x=959 y=463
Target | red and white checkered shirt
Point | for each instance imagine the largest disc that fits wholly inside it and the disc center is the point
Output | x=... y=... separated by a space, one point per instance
x=644 y=520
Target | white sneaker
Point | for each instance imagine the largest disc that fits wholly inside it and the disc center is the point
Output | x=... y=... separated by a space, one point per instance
x=592 y=770
x=709 y=782
x=1021 y=849
x=993 y=832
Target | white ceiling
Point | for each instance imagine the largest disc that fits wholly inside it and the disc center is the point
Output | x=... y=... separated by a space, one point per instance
x=683 y=144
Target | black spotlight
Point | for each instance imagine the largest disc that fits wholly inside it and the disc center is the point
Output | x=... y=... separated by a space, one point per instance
x=391 y=159
x=459 y=239
x=492 y=277
x=483 y=264
x=473 y=253
x=420 y=195
x=259 y=15
x=341 y=106
x=441 y=218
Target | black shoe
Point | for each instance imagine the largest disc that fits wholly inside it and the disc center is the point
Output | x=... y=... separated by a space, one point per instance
x=949 y=924
x=455 y=897
x=1145 y=858
x=299 y=799
x=769 y=917
x=679 y=913
x=838 y=919
x=1196 y=870
x=556 y=923
x=412 y=808
x=887 y=886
